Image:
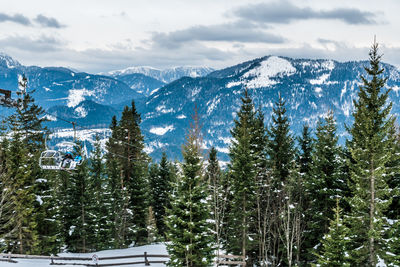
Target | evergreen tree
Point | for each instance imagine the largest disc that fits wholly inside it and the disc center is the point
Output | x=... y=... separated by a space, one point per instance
x=6 y=205
x=305 y=163
x=334 y=243
x=281 y=149
x=22 y=237
x=26 y=124
x=100 y=206
x=281 y=162
x=261 y=217
x=116 y=189
x=137 y=176
x=160 y=184
x=306 y=144
x=371 y=149
x=81 y=232
x=189 y=232
x=326 y=183
x=218 y=195
x=242 y=181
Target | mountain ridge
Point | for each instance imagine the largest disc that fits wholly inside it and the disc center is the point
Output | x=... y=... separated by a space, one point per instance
x=310 y=88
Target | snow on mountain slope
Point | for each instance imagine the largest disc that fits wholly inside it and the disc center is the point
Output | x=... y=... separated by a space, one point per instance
x=166 y=75
x=270 y=68
x=310 y=88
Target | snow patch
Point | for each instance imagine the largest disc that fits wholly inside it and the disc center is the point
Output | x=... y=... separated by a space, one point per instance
x=154 y=91
x=182 y=116
x=329 y=65
x=163 y=109
x=149 y=148
x=321 y=79
x=195 y=92
x=76 y=96
x=271 y=67
x=162 y=130
x=318 y=89
x=81 y=112
x=232 y=84
x=222 y=149
x=211 y=106
x=50 y=117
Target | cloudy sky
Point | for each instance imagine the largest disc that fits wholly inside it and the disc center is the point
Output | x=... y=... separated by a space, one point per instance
x=102 y=35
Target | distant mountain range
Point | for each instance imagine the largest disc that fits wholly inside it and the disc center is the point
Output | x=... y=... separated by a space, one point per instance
x=166 y=75
x=166 y=99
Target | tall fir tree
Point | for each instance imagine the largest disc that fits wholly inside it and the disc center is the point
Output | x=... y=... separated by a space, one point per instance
x=334 y=243
x=27 y=123
x=326 y=183
x=242 y=182
x=281 y=162
x=305 y=162
x=189 y=232
x=100 y=206
x=22 y=237
x=116 y=188
x=160 y=184
x=371 y=148
x=81 y=232
x=218 y=193
x=130 y=190
x=306 y=145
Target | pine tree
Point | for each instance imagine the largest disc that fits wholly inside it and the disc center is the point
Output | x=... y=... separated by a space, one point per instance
x=81 y=232
x=116 y=189
x=7 y=206
x=281 y=162
x=334 y=243
x=242 y=181
x=100 y=206
x=189 y=232
x=160 y=184
x=24 y=237
x=326 y=183
x=305 y=163
x=218 y=195
x=28 y=120
x=28 y=132
x=261 y=218
x=134 y=175
x=371 y=148
x=305 y=159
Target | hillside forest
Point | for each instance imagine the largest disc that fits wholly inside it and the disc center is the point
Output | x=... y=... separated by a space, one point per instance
x=284 y=198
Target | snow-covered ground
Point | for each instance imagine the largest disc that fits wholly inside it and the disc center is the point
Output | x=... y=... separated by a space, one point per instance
x=159 y=249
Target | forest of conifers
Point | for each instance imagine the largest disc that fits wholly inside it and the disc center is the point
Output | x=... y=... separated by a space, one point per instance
x=284 y=199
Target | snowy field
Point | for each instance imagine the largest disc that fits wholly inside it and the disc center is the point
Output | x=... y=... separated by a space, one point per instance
x=150 y=249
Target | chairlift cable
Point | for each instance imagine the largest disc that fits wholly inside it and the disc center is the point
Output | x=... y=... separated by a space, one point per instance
x=90 y=130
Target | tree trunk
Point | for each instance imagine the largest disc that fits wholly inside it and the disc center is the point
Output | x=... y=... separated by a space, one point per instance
x=372 y=218
x=244 y=232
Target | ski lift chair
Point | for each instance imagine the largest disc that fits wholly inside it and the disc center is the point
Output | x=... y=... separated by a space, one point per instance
x=50 y=160
x=69 y=163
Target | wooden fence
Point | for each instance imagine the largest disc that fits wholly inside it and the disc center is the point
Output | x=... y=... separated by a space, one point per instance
x=227 y=260
x=146 y=259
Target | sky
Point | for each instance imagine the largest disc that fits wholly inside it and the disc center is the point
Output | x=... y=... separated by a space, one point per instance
x=102 y=35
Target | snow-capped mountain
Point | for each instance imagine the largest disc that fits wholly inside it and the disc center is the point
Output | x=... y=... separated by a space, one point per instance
x=8 y=62
x=62 y=86
x=310 y=88
x=140 y=83
x=165 y=75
